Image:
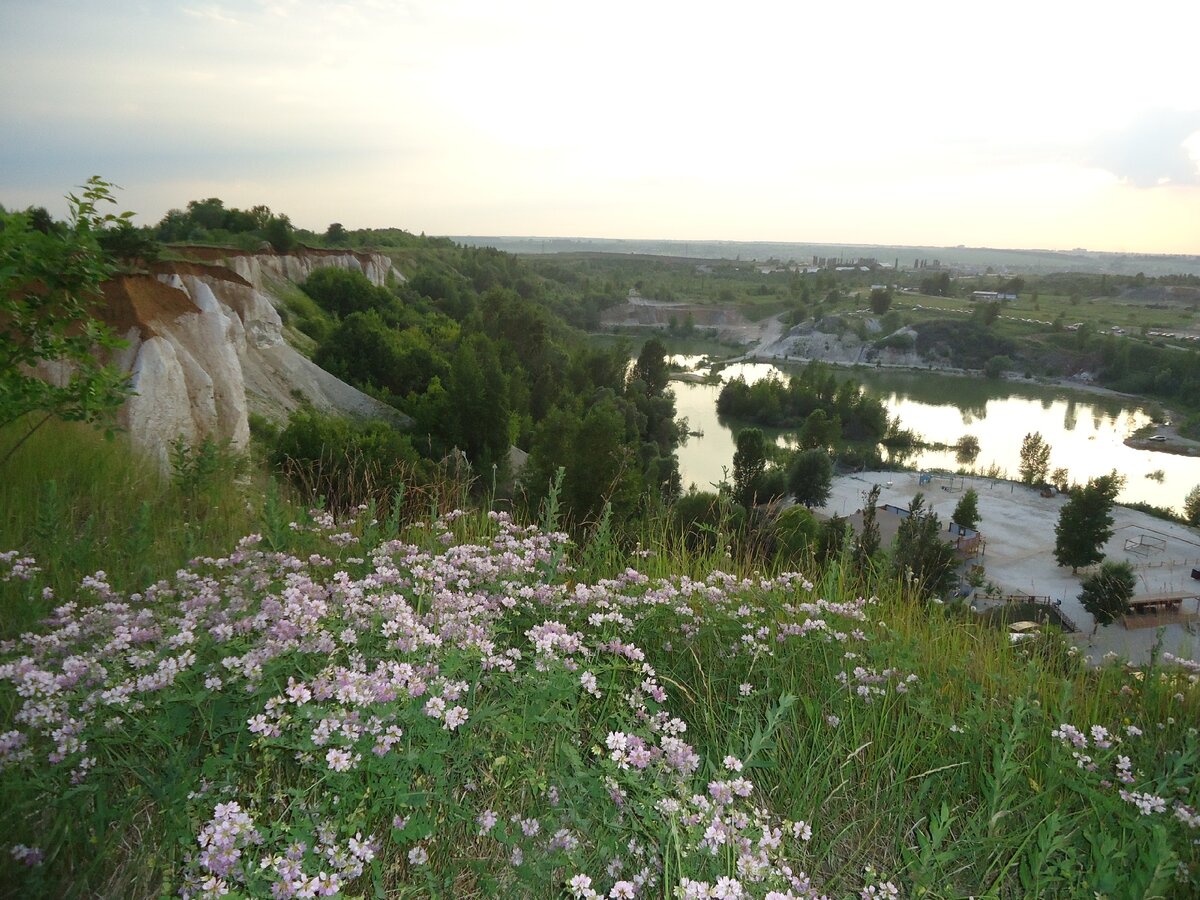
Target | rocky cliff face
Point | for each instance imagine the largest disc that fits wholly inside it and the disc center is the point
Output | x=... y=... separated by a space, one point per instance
x=261 y=269
x=206 y=347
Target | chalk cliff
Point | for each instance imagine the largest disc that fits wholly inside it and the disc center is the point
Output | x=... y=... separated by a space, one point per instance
x=206 y=347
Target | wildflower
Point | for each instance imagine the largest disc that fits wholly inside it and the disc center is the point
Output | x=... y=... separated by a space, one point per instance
x=297 y=692
x=486 y=821
x=435 y=707
x=727 y=888
x=564 y=840
x=625 y=890
x=745 y=689
x=588 y=680
x=455 y=717
x=581 y=886
x=338 y=760
x=362 y=850
x=1146 y=803
x=29 y=856
x=732 y=763
x=418 y=856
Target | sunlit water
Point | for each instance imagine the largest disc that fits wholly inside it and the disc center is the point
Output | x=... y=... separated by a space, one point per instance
x=1085 y=431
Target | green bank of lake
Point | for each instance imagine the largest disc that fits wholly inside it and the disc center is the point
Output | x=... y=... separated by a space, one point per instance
x=1086 y=431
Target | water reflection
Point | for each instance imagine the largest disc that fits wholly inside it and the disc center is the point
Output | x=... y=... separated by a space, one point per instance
x=944 y=408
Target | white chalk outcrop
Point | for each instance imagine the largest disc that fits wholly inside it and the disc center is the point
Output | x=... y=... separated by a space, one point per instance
x=206 y=348
x=262 y=269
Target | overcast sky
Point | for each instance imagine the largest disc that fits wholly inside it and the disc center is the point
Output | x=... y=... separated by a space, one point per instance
x=1025 y=124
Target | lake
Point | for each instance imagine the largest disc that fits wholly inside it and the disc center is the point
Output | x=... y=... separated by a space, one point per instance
x=1085 y=431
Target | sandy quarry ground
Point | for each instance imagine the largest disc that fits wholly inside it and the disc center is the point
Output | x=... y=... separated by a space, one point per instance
x=1018 y=525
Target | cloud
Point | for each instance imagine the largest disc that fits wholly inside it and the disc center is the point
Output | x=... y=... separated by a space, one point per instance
x=1151 y=151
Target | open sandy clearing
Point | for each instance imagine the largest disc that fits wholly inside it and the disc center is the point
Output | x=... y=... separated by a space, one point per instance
x=1018 y=526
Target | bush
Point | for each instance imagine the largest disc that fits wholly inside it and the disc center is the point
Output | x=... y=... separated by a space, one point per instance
x=1191 y=506
x=342 y=291
x=344 y=463
x=49 y=285
x=905 y=340
x=703 y=516
x=996 y=366
x=968 y=345
x=795 y=531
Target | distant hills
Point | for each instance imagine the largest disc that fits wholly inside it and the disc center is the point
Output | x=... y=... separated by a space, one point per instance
x=965 y=259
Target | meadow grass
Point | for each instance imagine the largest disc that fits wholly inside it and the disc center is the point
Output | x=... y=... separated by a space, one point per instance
x=79 y=504
x=467 y=706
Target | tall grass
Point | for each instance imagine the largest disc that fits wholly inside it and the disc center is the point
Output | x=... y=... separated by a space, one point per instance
x=80 y=504
x=923 y=750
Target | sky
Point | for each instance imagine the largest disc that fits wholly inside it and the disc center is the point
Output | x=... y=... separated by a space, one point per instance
x=1049 y=124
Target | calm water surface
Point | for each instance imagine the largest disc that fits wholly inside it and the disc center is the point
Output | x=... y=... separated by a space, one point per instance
x=1085 y=431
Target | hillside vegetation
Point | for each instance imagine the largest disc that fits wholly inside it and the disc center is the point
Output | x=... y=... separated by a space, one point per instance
x=467 y=706
x=350 y=663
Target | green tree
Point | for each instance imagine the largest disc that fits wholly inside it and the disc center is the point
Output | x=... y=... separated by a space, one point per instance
x=967 y=449
x=1035 y=458
x=987 y=313
x=207 y=214
x=966 y=513
x=651 y=366
x=603 y=466
x=478 y=389
x=280 y=234
x=336 y=235
x=820 y=430
x=867 y=542
x=881 y=300
x=128 y=244
x=1107 y=592
x=49 y=286
x=1191 y=506
x=936 y=285
x=810 y=477
x=920 y=553
x=343 y=291
x=832 y=537
x=749 y=463
x=1085 y=523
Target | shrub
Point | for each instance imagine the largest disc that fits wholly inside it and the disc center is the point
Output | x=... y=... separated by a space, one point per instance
x=343 y=291
x=795 y=531
x=1191 y=506
x=996 y=366
x=703 y=517
x=346 y=464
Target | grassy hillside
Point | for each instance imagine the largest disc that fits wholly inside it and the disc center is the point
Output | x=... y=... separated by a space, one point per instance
x=464 y=705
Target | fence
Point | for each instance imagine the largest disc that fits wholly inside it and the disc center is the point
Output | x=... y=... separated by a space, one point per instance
x=1053 y=606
